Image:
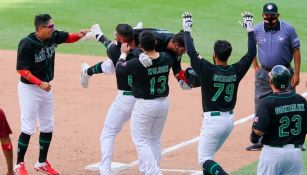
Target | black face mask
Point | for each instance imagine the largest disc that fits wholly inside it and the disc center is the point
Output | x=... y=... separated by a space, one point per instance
x=269 y=21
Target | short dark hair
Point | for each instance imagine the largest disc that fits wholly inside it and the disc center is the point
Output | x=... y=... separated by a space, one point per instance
x=41 y=19
x=147 y=40
x=126 y=31
x=222 y=49
x=179 y=39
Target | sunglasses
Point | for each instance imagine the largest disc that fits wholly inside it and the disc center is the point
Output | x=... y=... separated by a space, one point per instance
x=50 y=26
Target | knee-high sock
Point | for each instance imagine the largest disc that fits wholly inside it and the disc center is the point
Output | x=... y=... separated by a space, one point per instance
x=23 y=143
x=96 y=69
x=213 y=168
x=44 y=143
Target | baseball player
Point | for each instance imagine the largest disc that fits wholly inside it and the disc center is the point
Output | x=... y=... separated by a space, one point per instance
x=120 y=110
x=281 y=119
x=219 y=85
x=35 y=64
x=6 y=143
x=150 y=87
x=166 y=42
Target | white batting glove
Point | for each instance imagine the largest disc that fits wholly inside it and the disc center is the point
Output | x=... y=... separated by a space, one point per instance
x=247 y=23
x=187 y=21
x=145 y=60
x=184 y=85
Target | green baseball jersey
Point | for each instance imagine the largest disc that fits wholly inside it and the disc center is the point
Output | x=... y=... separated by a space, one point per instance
x=283 y=119
x=148 y=82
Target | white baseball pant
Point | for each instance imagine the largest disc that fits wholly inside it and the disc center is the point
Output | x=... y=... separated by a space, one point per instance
x=216 y=127
x=278 y=161
x=147 y=122
x=35 y=104
x=118 y=114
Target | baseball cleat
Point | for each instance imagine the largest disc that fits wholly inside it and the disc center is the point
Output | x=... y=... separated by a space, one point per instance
x=20 y=169
x=139 y=25
x=46 y=168
x=84 y=78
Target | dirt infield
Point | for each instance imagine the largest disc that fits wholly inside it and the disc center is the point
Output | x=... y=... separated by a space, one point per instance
x=80 y=113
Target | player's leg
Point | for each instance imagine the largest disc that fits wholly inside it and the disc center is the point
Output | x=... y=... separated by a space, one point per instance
x=118 y=114
x=46 y=123
x=225 y=130
x=7 y=148
x=28 y=96
x=141 y=124
x=214 y=132
x=6 y=143
x=106 y=67
x=271 y=161
x=294 y=163
x=157 y=127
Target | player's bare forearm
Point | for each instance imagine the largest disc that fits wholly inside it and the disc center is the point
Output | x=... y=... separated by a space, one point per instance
x=255 y=135
x=297 y=66
x=255 y=64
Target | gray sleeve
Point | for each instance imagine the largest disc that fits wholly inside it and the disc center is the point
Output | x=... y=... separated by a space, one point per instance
x=294 y=40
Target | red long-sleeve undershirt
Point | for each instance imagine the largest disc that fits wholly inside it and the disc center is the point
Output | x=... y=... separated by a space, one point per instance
x=72 y=37
x=30 y=77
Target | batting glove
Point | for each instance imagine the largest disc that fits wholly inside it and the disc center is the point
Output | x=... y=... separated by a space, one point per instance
x=184 y=85
x=145 y=60
x=247 y=21
x=187 y=21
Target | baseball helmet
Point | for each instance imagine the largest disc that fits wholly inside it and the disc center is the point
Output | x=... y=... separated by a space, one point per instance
x=280 y=76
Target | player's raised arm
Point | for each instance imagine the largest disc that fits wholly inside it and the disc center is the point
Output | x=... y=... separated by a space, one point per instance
x=192 y=53
x=248 y=58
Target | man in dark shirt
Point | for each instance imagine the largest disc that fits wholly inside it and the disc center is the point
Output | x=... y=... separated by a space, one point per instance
x=219 y=85
x=150 y=87
x=282 y=121
x=35 y=64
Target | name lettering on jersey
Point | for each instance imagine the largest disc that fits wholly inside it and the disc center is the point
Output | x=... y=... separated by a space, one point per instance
x=225 y=79
x=289 y=108
x=41 y=56
x=163 y=31
x=157 y=70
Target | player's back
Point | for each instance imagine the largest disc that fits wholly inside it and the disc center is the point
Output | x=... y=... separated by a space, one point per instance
x=152 y=82
x=288 y=112
x=219 y=86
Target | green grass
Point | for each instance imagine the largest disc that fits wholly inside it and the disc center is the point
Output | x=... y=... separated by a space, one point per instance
x=213 y=19
x=251 y=169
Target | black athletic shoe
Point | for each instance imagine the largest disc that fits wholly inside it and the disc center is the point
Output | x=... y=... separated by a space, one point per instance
x=255 y=147
x=303 y=148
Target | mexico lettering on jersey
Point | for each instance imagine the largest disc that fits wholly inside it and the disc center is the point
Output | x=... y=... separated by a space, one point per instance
x=219 y=84
x=283 y=119
x=150 y=82
x=38 y=56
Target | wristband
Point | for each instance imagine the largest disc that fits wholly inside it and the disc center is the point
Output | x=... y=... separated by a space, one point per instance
x=123 y=56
